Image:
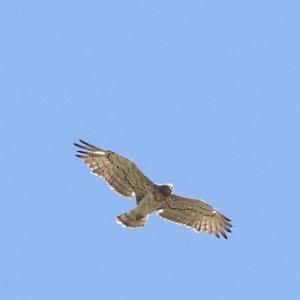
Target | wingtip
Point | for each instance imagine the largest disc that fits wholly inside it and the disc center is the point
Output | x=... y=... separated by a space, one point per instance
x=88 y=146
x=224 y=235
x=76 y=144
x=86 y=143
x=83 y=152
x=227 y=219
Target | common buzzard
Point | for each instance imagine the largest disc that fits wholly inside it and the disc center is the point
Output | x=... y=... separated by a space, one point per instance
x=125 y=177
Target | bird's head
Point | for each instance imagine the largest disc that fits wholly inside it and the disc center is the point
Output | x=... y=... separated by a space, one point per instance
x=166 y=189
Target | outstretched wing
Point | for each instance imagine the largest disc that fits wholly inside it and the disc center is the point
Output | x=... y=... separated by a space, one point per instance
x=195 y=214
x=119 y=172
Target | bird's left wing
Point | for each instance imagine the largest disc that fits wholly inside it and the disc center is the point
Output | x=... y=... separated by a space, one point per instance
x=195 y=214
x=120 y=173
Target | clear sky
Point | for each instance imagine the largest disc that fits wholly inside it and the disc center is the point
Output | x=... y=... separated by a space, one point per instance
x=202 y=94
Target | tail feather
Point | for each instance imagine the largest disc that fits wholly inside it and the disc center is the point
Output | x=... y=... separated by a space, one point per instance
x=127 y=220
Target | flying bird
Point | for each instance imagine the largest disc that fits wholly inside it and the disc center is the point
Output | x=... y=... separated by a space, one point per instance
x=122 y=175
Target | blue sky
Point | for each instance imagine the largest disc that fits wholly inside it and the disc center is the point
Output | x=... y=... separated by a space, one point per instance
x=202 y=94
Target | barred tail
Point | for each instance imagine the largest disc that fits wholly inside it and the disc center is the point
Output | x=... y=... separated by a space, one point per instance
x=129 y=220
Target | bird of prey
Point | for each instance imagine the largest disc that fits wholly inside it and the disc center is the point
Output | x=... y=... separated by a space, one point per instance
x=122 y=175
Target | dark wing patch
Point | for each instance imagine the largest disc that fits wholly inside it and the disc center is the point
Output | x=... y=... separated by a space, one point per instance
x=119 y=172
x=195 y=214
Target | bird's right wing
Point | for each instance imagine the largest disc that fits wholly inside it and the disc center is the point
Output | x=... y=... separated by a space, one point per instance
x=120 y=173
x=195 y=214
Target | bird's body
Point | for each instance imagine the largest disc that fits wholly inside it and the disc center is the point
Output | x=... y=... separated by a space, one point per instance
x=154 y=200
x=126 y=178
